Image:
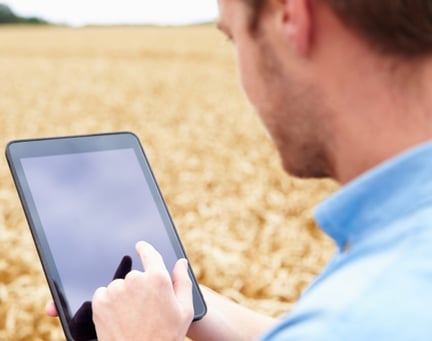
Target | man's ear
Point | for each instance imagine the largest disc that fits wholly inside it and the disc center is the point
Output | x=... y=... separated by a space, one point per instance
x=297 y=24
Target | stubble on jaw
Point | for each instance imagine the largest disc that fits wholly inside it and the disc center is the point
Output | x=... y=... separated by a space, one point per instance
x=296 y=118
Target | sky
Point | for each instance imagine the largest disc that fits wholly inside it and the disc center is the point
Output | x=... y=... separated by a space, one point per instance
x=87 y=12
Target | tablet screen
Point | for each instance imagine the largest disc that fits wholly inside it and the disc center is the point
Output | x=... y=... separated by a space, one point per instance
x=93 y=208
x=88 y=200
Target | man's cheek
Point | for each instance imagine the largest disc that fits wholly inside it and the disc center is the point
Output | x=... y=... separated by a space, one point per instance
x=248 y=79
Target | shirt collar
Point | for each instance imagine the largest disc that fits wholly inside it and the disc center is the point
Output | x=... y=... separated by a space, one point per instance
x=378 y=197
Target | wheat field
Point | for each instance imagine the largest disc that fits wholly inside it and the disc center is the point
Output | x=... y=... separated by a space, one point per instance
x=246 y=226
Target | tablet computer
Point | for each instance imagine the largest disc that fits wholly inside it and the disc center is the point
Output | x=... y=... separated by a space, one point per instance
x=88 y=200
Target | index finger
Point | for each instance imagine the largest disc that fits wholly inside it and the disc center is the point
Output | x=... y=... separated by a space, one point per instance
x=151 y=259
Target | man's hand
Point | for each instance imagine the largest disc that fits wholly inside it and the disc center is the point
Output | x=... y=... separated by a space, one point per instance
x=145 y=305
x=81 y=325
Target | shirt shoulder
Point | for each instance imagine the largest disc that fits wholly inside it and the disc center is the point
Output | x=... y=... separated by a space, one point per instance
x=379 y=290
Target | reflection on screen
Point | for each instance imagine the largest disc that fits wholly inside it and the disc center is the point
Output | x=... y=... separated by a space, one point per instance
x=94 y=207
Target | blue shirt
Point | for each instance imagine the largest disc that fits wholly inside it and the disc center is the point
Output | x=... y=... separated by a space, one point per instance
x=378 y=286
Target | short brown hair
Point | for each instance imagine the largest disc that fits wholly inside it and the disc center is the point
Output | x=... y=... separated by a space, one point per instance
x=398 y=27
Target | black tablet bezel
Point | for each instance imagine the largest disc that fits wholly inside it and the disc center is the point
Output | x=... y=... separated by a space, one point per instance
x=16 y=150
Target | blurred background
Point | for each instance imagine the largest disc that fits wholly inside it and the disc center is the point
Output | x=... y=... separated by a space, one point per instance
x=161 y=70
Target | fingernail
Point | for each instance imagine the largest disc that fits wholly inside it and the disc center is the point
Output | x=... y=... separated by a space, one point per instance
x=184 y=262
x=142 y=245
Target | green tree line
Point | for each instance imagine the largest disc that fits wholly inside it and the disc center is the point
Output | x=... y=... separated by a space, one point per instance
x=7 y=16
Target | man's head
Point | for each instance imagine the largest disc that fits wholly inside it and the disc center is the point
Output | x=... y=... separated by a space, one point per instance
x=319 y=72
x=400 y=27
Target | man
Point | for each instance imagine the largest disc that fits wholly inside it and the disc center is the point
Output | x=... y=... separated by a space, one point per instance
x=344 y=88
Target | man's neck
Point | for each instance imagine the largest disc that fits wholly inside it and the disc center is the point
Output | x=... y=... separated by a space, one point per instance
x=379 y=107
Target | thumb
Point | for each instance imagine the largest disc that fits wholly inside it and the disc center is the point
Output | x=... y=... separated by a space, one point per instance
x=182 y=285
x=50 y=309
